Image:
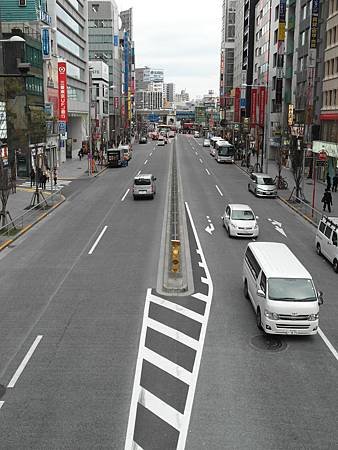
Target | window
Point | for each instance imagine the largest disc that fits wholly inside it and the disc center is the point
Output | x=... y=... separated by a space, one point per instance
x=252 y=263
x=277 y=12
x=322 y=227
x=302 y=38
x=22 y=3
x=274 y=60
x=68 y=44
x=334 y=238
x=304 y=11
x=263 y=282
x=328 y=231
x=275 y=36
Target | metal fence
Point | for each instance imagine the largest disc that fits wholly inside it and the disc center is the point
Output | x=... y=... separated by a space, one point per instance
x=19 y=223
x=313 y=214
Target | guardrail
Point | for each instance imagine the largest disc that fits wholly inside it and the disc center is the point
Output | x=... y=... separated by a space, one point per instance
x=302 y=206
x=14 y=226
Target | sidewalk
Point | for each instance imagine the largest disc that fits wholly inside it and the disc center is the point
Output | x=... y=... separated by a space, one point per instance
x=18 y=203
x=307 y=185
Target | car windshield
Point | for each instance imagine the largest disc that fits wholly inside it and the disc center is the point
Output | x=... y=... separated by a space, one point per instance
x=242 y=215
x=226 y=151
x=265 y=180
x=291 y=289
x=142 y=181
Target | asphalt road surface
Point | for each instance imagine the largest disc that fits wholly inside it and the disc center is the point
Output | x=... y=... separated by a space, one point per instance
x=92 y=357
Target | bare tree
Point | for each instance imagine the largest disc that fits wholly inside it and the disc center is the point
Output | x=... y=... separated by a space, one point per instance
x=297 y=161
x=5 y=187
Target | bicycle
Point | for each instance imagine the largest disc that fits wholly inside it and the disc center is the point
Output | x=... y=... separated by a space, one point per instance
x=254 y=168
x=281 y=182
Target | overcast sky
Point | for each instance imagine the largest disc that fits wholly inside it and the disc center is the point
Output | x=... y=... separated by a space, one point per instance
x=182 y=37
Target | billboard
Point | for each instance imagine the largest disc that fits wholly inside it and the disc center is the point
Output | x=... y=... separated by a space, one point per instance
x=253 y=115
x=262 y=104
x=237 y=110
x=62 y=89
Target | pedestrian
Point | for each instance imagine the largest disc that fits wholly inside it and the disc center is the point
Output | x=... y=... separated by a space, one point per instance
x=55 y=176
x=80 y=154
x=44 y=180
x=335 y=182
x=328 y=182
x=327 y=200
x=32 y=175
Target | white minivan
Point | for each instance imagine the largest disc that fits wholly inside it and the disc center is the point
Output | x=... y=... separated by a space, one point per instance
x=281 y=290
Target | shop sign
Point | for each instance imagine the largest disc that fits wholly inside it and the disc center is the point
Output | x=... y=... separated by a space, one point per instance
x=62 y=86
x=253 y=108
x=262 y=103
x=330 y=148
x=237 y=104
x=290 y=115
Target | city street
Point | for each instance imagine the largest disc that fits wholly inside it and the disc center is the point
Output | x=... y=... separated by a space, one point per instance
x=88 y=344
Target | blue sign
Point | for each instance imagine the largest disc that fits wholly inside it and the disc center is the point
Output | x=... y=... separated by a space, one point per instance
x=243 y=102
x=45 y=43
x=62 y=127
x=116 y=40
x=126 y=63
x=154 y=117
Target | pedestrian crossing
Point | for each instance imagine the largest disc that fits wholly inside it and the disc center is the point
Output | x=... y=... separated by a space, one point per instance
x=49 y=186
x=167 y=368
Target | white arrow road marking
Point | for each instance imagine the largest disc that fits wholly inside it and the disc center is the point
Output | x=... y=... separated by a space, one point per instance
x=281 y=231
x=209 y=229
x=274 y=222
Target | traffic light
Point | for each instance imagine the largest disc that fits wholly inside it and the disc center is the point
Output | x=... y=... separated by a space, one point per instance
x=175 y=256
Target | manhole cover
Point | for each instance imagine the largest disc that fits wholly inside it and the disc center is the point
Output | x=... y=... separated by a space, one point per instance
x=2 y=390
x=268 y=343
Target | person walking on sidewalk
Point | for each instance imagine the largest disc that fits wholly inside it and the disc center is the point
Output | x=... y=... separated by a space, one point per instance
x=335 y=182
x=328 y=182
x=327 y=200
x=55 y=176
x=44 y=181
x=32 y=175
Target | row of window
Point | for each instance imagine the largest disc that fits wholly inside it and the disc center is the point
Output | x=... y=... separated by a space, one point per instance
x=69 y=45
x=331 y=67
x=260 y=50
x=262 y=31
x=34 y=85
x=34 y=56
x=100 y=23
x=332 y=36
x=102 y=39
x=331 y=97
x=68 y=20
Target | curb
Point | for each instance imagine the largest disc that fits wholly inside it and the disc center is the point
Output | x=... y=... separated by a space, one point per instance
x=29 y=226
x=297 y=211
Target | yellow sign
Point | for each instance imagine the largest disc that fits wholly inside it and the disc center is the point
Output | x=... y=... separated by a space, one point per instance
x=290 y=115
x=281 y=31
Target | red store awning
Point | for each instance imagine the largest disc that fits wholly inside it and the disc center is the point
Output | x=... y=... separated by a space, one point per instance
x=329 y=116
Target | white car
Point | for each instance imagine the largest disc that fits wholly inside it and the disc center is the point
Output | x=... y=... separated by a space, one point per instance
x=206 y=143
x=327 y=240
x=240 y=221
x=212 y=151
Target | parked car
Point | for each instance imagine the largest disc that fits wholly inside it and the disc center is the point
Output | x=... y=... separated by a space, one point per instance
x=262 y=185
x=143 y=140
x=240 y=221
x=144 y=186
x=206 y=143
x=326 y=240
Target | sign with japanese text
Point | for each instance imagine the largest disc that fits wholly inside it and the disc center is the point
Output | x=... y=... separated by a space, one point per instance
x=314 y=24
x=253 y=115
x=262 y=103
x=237 y=105
x=62 y=87
x=290 y=115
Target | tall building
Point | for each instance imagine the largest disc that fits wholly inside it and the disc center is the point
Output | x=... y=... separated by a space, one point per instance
x=100 y=100
x=169 y=92
x=227 y=53
x=329 y=110
x=70 y=43
x=104 y=44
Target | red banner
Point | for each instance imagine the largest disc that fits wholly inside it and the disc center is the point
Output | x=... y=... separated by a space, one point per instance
x=62 y=86
x=237 y=109
x=262 y=104
x=253 y=115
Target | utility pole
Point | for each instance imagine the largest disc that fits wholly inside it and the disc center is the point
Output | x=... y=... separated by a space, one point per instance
x=90 y=144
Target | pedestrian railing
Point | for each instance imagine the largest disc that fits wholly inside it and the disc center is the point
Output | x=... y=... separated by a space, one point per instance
x=304 y=207
x=19 y=223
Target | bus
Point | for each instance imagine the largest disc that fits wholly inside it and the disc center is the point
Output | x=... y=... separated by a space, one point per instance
x=224 y=152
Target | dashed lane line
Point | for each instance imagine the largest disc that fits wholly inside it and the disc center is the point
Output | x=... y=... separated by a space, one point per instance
x=201 y=161
x=207 y=171
x=220 y=192
x=91 y=251
x=145 y=162
x=127 y=191
x=328 y=344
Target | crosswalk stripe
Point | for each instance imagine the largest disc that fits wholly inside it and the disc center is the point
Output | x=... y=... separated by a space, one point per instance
x=172 y=333
x=177 y=308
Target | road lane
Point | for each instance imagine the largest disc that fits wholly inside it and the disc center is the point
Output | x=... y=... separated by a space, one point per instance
x=250 y=396
x=75 y=391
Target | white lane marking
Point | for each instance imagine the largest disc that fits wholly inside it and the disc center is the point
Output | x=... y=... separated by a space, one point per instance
x=126 y=193
x=220 y=192
x=168 y=366
x=171 y=332
x=201 y=161
x=278 y=226
x=328 y=343
x=136 y=387
x=150 y=153
x=97 y=240
x=24 y=362
x=196 y=153
x=177 y=308
x=191 y=393
x=145 y=162
x=161 y=409
x=138 y=173
x=207 y=171
x=1 y=404
x=200 y=296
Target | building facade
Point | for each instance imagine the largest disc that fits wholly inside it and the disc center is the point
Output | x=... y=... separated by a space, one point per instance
x=100 y=100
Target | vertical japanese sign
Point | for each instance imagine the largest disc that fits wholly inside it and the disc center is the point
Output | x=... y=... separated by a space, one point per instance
x=126 y=63
x=237 y=109
x=280 y=51
x=46 y=44
x=262 y=105
x=253 y=115
x=62 y=86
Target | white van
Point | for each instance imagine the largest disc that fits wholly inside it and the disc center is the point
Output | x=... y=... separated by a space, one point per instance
x=281 y=290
